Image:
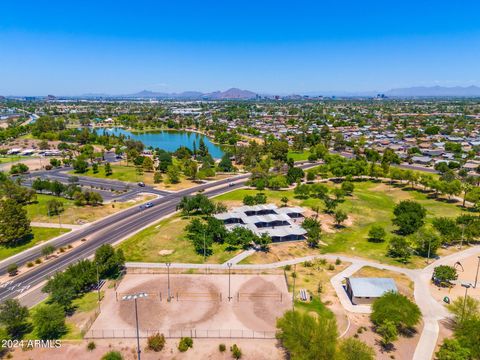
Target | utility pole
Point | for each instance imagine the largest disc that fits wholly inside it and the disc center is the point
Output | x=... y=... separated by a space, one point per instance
x=204 y=247
x=229 y=269
x=429 y=246
x=136 y=323
x=135 y=297
x=294 y=277
x=463 y=232
x=168 y=279
x=466 y=286
x=98 y=284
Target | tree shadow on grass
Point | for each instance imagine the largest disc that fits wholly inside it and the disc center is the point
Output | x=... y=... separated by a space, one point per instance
x=424 y=191
x=375 y=241
x=23 y=241
x=467 y=209
x=446 y=200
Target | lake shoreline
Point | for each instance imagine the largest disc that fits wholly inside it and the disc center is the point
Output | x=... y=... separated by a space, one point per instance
x=216 y=150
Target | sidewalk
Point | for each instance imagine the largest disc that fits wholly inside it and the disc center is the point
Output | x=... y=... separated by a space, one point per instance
x=236 y=259
x=336 y=282
x=432 y=311
x=56 y=225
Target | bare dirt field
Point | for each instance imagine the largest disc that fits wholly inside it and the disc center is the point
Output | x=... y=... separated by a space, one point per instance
x=198 y=303
x=33 y=163
x=403 y=348
x=466 y=274
x=202 y=349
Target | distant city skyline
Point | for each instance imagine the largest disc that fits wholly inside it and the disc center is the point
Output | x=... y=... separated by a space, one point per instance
x=270 y=47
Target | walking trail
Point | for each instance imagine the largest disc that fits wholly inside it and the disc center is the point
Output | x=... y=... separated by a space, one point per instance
x=432 y=311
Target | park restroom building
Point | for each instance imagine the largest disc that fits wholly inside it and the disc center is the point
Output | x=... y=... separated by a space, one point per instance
x=367 y=290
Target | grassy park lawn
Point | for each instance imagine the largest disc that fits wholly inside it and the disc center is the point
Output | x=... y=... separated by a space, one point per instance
x=129 y=174
x=372 y=203
x=314 y=276
x=73 y=214
x=314 y=307
x=298 y=155
x=85 y=307
x=119 y=172
x=166 y=241
x=40 y=234
x=13 y=158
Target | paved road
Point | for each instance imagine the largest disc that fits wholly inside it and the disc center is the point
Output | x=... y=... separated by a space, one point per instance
x=106 y=231
x=108 y=188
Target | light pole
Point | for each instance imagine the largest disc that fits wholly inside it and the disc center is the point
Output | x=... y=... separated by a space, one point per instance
x=463 y=233
x=476 y=276
x=204 y=247
x=229 y=268
x=98 y=284
x=168 y=279
x=466 y=286
x=134 y=297
x=429 y=247
x=294 y=277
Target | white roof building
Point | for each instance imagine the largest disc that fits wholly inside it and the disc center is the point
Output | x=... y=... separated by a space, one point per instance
x=366 y=290
x=278 y=223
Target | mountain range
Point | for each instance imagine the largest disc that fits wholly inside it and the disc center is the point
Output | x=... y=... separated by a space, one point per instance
x=239 y=94
x=234 y=93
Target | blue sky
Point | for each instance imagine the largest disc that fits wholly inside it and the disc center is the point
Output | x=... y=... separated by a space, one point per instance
x=119 y=47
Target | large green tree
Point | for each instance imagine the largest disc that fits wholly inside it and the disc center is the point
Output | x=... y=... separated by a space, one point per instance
x=109 y=261
x=464 y=309
x=49 y=321
x=445 y=274
x=409 y=216
x=396 y=308
x=306 y=337
x=377 y=233
x=14 y=317
x=14 y=223
x=426 y=241
x=399 y=248
x=452 y=350
x=354 y=349
x=468 y=335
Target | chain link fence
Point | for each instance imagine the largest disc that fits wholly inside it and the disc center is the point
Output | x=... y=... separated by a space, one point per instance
x=171 y=333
